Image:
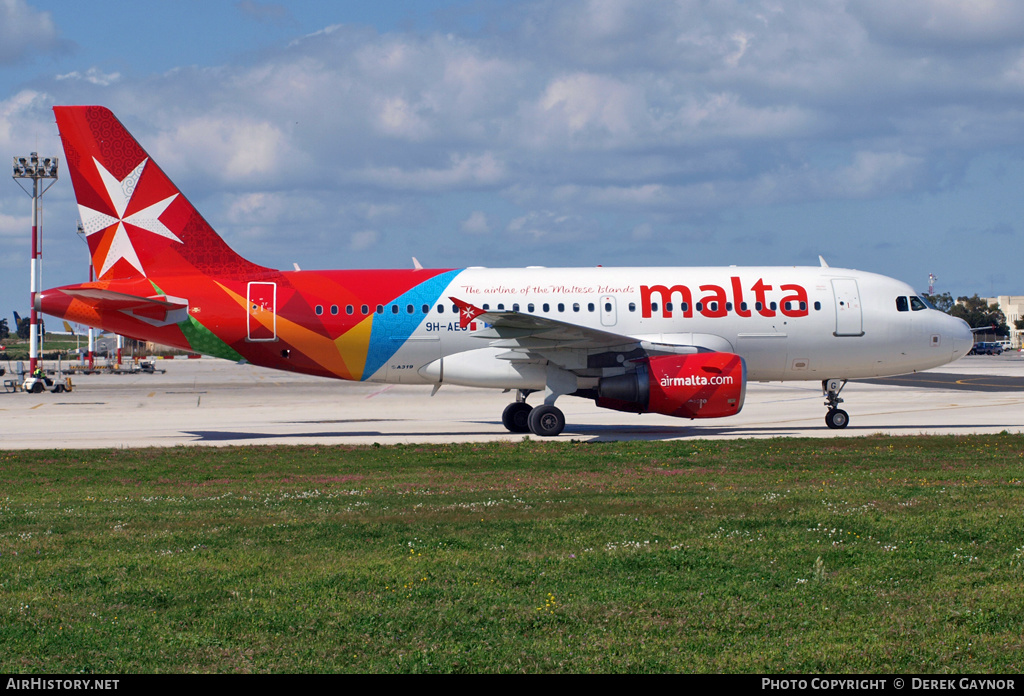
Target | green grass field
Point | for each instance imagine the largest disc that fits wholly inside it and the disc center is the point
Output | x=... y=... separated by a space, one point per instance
x=877 y=554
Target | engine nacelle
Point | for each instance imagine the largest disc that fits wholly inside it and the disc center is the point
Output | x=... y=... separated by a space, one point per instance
x=700 y=385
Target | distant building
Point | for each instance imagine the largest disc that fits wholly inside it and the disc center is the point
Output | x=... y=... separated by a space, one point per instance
x=152 y=348
x=1012 y=307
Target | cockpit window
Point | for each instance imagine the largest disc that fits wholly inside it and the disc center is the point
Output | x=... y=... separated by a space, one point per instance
x=917 y=304
x=902 y=305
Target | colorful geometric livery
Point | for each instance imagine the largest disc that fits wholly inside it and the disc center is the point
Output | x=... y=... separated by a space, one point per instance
x=159 y=263
x=681 y=342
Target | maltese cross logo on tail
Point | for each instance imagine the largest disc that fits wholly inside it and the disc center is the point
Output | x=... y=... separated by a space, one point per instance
x=467 y=313
x=119 y=195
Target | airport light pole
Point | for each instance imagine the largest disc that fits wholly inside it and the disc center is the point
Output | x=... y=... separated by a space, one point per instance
x=35 y=168
x=92 y=342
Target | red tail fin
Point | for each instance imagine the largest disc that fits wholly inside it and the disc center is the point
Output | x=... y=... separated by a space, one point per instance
x=136 y=221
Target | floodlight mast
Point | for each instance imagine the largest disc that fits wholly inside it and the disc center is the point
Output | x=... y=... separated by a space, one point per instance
x=92 y=341
x=35 y=168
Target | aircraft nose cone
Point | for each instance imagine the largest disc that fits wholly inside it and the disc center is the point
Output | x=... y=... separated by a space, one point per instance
x=963 y=339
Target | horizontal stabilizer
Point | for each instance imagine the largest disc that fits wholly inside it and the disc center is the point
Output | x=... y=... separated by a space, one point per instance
x=155 y=310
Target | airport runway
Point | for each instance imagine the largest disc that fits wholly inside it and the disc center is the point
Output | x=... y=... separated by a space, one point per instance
x=215 y=402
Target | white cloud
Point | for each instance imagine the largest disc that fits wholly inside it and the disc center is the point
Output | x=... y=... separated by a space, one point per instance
x=93 y=76
x=725 y=115
x=476 y=223
x=363 y=240
x=263 y=205
x=878 y=173
x=595 y=104
x=25 y=32
x=397 y=118
x=549 y=226
x=463 y=171
x=225 y=148
x=607 y=121
x=974 y=23
x=16 y=227
x=17 y=112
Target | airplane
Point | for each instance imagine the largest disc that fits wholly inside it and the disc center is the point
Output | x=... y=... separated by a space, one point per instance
x=682 y=342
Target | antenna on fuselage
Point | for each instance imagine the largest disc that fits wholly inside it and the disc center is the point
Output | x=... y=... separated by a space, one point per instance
x=824 y=264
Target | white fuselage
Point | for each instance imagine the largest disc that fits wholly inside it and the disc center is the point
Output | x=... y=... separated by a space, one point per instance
x=788 y=323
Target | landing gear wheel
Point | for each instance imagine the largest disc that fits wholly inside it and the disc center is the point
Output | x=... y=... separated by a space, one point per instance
x=837 y=419
x=516 y=417
x=546 y=421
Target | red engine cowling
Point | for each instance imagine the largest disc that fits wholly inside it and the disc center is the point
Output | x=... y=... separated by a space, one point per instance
x=700 y=385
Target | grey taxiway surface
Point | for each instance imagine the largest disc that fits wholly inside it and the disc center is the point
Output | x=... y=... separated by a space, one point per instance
x=215 y=402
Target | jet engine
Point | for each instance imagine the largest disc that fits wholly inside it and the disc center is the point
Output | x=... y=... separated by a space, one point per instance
x=698 y=385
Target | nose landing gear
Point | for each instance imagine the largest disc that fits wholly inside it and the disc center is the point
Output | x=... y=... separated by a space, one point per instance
x=836 y=418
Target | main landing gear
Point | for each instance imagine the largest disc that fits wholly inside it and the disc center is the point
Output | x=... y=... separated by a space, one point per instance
x=543 y=421
x=836 y=418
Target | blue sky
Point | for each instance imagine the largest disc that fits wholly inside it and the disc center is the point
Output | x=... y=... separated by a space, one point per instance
x=547 y=132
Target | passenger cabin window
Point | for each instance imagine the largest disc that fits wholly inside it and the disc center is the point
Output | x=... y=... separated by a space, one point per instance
x=334 y=309
x=349 y=309
x=529 y=308
x=917 y=304
x=319 y=310
x=902 y=305
x=365 y=309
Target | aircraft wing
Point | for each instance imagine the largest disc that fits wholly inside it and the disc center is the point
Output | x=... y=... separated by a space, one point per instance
x=510 y=329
